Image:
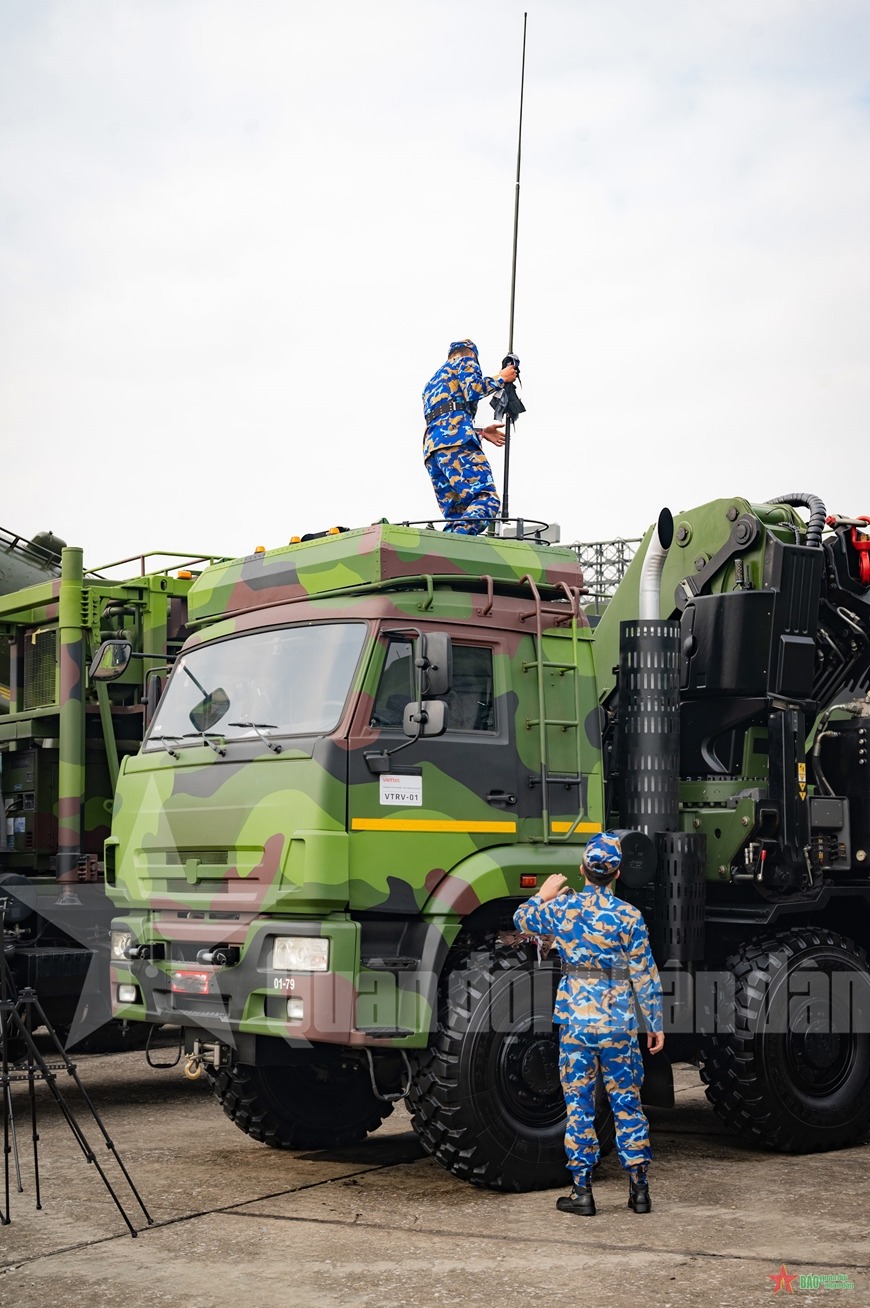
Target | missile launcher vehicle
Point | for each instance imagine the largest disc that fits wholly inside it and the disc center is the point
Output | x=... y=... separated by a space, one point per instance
x=376 y=743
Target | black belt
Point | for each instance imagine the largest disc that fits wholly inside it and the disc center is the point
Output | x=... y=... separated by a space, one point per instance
x=618 y=973
x=442 y=410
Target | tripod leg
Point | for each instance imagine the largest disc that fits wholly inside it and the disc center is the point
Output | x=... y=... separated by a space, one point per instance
x=72 y=1071
x=8 y=1119
x=7 y=1109
x=19 y=1187
x=28 y=999
x=34 y=1129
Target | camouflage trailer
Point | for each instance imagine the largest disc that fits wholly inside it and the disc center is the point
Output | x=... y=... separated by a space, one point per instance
x=61 y=742
x=377 y=743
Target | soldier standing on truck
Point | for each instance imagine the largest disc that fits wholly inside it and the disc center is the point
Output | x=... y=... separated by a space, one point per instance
x=605 y=953
x=459 y=469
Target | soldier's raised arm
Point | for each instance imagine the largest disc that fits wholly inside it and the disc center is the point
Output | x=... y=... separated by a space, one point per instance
x=536 y=916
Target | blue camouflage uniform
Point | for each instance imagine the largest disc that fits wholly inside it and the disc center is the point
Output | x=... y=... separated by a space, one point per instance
x=595 y=1010
x=459 y=469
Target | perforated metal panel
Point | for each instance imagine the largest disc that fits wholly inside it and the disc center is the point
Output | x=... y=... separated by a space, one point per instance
x=40 y=669
x=649 y=724
x=680 y=897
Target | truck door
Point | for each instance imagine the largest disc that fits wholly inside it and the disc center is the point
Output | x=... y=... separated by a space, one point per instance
x=432 y=804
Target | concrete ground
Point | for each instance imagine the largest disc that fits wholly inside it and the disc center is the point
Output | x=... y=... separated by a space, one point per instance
x=380 y=1224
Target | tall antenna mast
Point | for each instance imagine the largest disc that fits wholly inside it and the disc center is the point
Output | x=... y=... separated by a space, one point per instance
x=508 y=420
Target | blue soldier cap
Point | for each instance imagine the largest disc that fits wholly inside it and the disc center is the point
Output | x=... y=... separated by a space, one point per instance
x=462 y=345
x=603 y=855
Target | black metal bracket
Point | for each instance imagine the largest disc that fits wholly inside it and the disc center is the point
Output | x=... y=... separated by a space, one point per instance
x=743 y=533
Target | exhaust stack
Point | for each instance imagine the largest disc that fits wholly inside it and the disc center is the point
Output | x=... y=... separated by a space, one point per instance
x=649 y=598
x=649 y=719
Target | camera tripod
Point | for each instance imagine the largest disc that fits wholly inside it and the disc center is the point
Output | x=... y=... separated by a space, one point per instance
x=20 y=1015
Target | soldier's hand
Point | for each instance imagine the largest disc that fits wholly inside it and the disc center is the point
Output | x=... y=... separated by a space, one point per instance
x=508 y=374
x=494 y=432
x=553 y=886
x=655 y=1041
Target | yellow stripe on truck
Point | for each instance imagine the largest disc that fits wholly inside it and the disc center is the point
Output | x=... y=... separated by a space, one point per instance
x=429 y=824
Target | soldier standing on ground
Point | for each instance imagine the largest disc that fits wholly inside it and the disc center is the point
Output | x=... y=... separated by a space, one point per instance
x=605 y=953
x=459 y=469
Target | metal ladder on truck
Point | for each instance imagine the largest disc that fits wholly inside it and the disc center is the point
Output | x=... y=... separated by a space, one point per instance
x=544 y=722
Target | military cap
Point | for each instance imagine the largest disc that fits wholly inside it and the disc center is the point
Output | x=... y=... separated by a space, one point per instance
x=462 y=345
x=603 y=854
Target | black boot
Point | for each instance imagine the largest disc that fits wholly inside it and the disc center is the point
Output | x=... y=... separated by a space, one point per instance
x=580 y=1202
x=638 y=1192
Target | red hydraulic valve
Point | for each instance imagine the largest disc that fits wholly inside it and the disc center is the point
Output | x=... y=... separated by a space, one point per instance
x=859 y=540
x=861 y=544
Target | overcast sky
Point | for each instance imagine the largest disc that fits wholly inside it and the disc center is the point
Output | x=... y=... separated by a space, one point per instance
x=237 y=236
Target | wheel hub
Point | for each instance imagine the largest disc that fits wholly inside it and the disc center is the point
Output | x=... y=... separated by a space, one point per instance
x=528 y=1078
x=819 y=1049
x=819 y=1058
x=539 y=1066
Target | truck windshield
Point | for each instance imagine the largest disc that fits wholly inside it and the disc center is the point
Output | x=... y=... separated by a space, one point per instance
x=290 y=681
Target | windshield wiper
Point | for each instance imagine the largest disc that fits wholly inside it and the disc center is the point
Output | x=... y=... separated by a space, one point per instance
x=173 y=753
x=255 y=726
x=208 y=738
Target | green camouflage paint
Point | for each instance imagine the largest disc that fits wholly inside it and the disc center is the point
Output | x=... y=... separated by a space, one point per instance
x=699 y=534
x=307 y=837
x=60 y=741
x=408 y=860
x=71 y=762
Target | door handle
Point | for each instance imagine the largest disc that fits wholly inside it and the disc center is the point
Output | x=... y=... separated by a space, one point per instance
x=501 y=797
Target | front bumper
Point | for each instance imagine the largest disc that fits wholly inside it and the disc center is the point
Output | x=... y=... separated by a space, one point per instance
x=248 y=999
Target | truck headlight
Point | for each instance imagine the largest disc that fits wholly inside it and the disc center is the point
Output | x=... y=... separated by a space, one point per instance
x=300 y=954
x=121 y=940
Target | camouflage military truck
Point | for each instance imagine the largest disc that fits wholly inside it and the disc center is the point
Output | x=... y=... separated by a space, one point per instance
x=378 y=742
x=61 y=739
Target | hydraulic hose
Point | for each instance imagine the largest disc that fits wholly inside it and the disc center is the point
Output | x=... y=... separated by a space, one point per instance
x=818 y=513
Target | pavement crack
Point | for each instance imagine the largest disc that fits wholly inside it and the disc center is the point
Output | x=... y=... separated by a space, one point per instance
x=157 y=1224
x=763 y=1259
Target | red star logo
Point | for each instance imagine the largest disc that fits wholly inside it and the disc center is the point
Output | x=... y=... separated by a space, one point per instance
x=782 y=1280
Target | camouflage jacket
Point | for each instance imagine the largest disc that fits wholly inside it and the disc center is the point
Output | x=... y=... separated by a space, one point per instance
x=596 y=929
x=460 y=382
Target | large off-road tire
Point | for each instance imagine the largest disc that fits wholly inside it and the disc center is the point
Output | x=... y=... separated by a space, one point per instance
x=319 y=1103
x=794 y=1074
x=485 y=1099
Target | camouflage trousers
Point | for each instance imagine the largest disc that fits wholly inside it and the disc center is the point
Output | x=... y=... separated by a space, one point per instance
x=463 y=485
x=581 y=1055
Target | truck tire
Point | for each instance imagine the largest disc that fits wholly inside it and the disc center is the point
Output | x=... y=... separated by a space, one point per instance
x=804 y=1085
x=485 y=1099
x=323 y=1103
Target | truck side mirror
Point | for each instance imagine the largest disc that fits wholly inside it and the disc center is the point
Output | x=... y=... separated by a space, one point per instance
x=436 y=665
x=111 y=660
x=153 y=691
x=210 y=709
x=429 y=719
